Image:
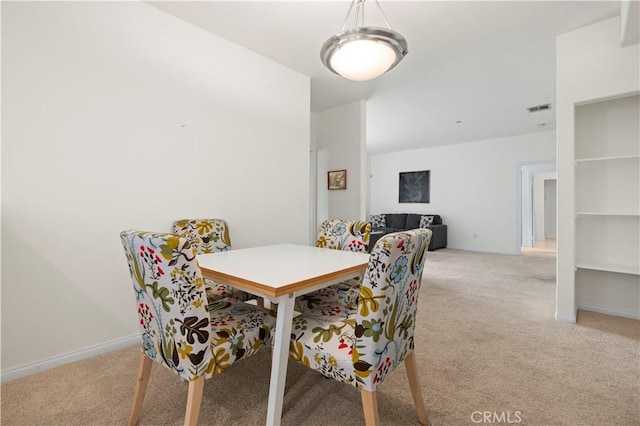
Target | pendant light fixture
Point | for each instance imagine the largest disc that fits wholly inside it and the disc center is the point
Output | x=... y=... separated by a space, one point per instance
x=363 y=53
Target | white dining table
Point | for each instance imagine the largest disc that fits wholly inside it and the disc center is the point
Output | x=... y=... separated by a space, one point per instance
x=280 y=273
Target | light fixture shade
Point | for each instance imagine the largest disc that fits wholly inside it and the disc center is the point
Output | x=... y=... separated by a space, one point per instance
x=363 y=53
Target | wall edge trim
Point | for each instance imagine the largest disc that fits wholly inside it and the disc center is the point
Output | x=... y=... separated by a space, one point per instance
x=564 y=317
x=600 y=309
x=66 y=358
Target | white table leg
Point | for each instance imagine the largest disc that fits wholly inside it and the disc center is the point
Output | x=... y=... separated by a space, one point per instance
x=279 y=360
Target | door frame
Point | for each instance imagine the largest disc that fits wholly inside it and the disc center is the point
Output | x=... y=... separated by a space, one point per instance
x=526 y=172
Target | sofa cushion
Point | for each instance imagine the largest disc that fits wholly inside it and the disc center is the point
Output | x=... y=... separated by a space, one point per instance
x=413 y=221
x=426 y=220
x=385 y=230
x=377 y=220
x=437 y=220
x=396 y=220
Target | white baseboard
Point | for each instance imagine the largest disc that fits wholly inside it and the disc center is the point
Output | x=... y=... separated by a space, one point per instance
x=609 y=311
x=564 y=317
x=482 y=250
x=80 y=354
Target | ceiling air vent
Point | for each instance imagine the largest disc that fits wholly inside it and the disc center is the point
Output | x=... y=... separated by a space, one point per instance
x=536 y=108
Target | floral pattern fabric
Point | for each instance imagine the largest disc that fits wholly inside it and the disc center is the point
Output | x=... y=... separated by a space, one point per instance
x=378 y=220
x=180 y=328
x=210 y=236
x=361 y=347
x=339 y=235
x=344 y=235
x=206 y=235
x=344 y=294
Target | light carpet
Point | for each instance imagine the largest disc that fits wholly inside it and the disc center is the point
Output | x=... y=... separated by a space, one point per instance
x=489 y=352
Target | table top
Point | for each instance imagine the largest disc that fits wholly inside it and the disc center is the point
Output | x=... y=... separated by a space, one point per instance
x=281 y=269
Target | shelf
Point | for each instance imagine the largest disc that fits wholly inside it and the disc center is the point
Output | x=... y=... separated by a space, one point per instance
x=621 y=269
x=606 y=205
x=612 y=214
x=602 y=161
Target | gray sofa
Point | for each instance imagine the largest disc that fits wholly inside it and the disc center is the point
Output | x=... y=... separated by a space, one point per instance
x=395 y=222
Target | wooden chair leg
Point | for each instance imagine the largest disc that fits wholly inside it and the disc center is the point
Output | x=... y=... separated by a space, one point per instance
x=194 y=398
x=144 y=371
x=414 y=384
x=260 y=302
x=370 y=407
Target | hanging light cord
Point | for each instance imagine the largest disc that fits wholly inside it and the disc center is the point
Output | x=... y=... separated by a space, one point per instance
x=383 y=15
x=344 y=23
x=359 y=8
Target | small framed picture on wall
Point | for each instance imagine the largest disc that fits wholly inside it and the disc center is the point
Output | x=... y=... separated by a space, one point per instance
x=337 y=179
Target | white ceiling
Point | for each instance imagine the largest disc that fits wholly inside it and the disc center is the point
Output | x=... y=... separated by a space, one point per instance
x=481 y=63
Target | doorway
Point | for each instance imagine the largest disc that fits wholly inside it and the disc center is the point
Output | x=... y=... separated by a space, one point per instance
x=544 y=211
x=538 y=206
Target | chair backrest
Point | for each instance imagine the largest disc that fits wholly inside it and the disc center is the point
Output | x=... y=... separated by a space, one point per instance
x=171 y=301
x=387 y=305
x=345 y=235
x=206 y=235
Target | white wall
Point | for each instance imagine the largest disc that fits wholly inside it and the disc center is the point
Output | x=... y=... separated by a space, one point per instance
x=115 y=116
x=590 y=65
x=341 y=139
x=474 y=187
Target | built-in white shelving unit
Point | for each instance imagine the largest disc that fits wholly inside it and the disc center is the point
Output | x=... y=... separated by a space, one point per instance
x=609 y=267
x=595 y=162
x=607 y=204
x=606 y=214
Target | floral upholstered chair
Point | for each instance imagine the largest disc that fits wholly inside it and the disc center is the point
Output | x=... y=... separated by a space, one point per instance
x=180 y=328
x=210 y=236
x=338 y=235
x=346 y=235
x=363 y=347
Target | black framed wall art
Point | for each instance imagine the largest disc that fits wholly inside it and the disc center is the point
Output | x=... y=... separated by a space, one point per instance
x=414 y=187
